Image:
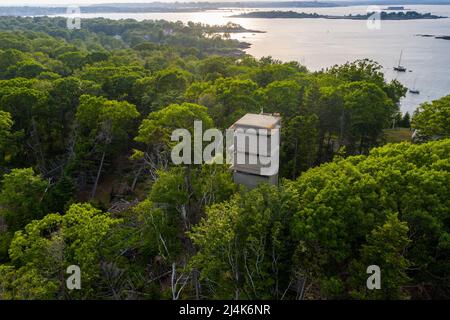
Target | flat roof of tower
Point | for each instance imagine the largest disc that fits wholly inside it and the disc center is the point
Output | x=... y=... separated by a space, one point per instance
x=253 y=120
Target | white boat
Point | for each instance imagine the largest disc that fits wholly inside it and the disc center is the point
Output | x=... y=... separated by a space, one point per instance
x=399 y=67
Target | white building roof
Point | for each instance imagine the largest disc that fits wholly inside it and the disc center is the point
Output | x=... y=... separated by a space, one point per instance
x=259 y=121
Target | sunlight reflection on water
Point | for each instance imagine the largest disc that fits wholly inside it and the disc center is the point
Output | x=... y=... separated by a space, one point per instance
x=321 y=43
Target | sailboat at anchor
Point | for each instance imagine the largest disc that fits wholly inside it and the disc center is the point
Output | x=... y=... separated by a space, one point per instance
x=399 y=67
x=414 y=90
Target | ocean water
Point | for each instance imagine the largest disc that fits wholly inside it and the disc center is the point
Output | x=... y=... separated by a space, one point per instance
x=321 y=43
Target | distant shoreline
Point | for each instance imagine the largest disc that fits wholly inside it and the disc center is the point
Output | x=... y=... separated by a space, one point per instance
x=410 y=15
x=177 y=7
x=433 y=36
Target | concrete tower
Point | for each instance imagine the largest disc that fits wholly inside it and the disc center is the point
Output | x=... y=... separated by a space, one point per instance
x=256 y=149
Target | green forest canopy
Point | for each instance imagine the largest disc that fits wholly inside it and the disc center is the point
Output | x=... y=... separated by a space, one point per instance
x=86 y=179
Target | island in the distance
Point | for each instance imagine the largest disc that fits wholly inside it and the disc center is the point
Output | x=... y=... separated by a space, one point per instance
x=433 y=36
x=410 y=15
x=395 y=8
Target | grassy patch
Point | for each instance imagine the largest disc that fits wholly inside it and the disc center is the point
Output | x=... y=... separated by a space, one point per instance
x=397 y=135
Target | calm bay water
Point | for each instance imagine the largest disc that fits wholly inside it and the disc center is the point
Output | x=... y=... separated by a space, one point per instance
x=321 y=43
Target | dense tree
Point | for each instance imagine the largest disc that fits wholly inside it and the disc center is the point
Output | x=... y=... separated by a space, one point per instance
x=75 y=105
x=26 y=69
x=10 y=57
x=41 y=253
x=160 y=231
x=120 y=86
x=369 y=71
x=234 y=98
x=299 y=148
x=215 y=67
x=433 y=119
x=284 y=97
x=21 y=197
x=165 y=87
x=73 y=60
x=385 y=247
x=103 y=127
x=333 y=222
x=273 y=70
x=367 y=110
x=245 y=248
x=23 y=104
x=29 y=110
x=6 y=123
x=186 y=191
x=342 y=203
x=155 y=132
x=406 y=121
x=176 y=203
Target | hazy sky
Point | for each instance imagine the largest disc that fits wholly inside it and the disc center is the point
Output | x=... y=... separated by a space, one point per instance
x=77 y=2
x=69 y=2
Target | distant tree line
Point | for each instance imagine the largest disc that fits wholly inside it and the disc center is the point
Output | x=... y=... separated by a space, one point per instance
x=409 y=15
